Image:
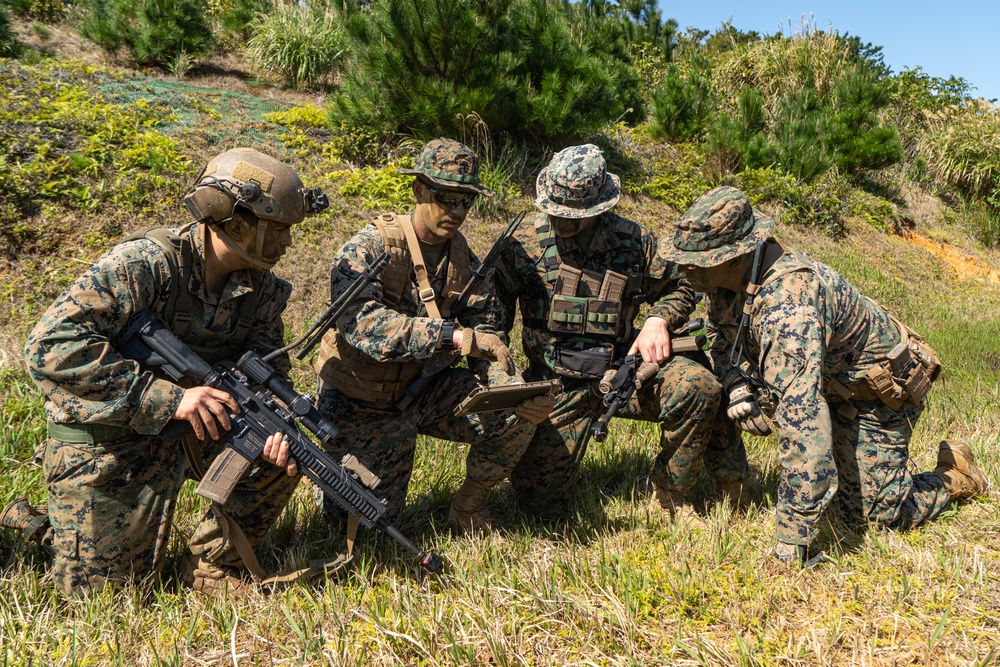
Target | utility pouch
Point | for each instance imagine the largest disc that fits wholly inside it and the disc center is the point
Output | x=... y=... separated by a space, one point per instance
x=568 y=280
x=568 y=314
x=603 y=317
x=613 y=286
x=582 y=360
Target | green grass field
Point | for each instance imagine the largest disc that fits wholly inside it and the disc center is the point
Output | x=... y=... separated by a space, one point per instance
x=612 y=583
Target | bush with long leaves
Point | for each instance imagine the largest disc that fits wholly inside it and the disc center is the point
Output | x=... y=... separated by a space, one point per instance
x=301 y=44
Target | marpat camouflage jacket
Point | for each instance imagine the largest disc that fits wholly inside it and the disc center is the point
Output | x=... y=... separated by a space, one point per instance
x=70 y=353
x=808 y=324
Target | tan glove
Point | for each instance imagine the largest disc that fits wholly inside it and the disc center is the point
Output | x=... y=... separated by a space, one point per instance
x=487 y=346
x=744 y=410
x=537 y=409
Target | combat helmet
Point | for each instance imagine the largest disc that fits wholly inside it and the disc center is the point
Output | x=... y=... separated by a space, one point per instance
x=265 y=191
x=255 y=181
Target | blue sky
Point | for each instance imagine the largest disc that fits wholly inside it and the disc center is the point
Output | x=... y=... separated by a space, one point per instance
x=959 y=37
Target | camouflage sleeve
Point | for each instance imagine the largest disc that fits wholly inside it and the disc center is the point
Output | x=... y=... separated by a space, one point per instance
x=380 y=332
x=721 y=347
x=268 y=331
x=671 y=296
x=791 y=328
x=70 y=356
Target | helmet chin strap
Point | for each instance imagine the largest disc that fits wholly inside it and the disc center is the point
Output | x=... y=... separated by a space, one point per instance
x=257 y=262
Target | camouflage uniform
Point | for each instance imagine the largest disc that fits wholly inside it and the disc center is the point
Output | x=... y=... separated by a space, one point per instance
x=811 y=339
x=684 y=395
x=113 y=492
x=404 y=334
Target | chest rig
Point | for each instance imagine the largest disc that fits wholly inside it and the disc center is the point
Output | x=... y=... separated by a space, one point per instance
x=355 y=374
x=212 y=346
x=585 y=312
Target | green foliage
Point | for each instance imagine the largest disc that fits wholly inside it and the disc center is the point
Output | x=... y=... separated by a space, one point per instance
x=420 y=66
x=63 y=143
x=679 y=177
x=8 y=44
x=380 y=189
x=822 y=204
x=236 y=17
x=684 y=102
x=309 y=115
x=48 y=11
x=805 y=104
x=301 y=44
x=961 y=151
x=154 y=32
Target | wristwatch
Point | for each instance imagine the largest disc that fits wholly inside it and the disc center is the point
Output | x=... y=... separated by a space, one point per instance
x=448 y=335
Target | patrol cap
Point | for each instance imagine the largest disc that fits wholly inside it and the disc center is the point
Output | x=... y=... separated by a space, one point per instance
x=449 y=164
x=719 y=225
x=576 y=184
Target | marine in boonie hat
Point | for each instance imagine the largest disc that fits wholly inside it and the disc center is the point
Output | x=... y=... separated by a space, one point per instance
x=576 y=184
x=719 y=226
x=448 y=164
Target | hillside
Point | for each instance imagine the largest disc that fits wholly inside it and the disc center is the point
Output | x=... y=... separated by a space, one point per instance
x=97 y=151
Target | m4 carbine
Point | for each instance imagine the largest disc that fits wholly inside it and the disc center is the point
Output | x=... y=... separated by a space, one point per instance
x=619 y=387
x=348 y=482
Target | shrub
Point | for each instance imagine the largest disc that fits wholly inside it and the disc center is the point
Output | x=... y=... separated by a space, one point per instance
x=8 y=45
x=420 y=66
x=154 y=32
x=684 y=102
x=236 y=17
x=303 y=45
x=48 y=11
x=805 y=104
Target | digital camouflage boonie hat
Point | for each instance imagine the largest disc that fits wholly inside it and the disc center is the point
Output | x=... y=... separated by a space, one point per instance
x=448 y=164
x=719 y=225
x=576 y=184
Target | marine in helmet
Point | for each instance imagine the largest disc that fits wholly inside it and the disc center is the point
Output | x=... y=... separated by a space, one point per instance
x=112 y=485
x=843 y=379
x=579 y=273
x=402 y=321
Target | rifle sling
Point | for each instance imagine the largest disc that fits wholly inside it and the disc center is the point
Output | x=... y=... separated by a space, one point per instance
x=427 y=294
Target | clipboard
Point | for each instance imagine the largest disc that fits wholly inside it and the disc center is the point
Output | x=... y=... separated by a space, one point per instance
x=505 y=397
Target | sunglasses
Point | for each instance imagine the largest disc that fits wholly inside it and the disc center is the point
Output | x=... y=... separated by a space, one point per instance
x=452 y=199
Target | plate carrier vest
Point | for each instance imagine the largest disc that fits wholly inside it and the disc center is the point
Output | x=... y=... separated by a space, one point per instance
x=355 y=374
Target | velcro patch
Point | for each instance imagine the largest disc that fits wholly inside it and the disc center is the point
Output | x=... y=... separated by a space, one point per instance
x=244 y=171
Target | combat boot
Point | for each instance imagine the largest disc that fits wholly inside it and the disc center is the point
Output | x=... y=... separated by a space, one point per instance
x=468 y=511
x=681 y=511
x=957 y=467
x=33 y=521
x=736 y=494
x=204 y=576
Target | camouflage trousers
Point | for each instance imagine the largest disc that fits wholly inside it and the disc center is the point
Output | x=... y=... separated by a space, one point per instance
x=683 y=398
x=868 y=473
x=111 y=505
x=385 y=438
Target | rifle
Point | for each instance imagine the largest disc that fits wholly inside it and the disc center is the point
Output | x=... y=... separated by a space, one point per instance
x=348 y=483
x=329 y=318
x=619 y=387
x=439 y=361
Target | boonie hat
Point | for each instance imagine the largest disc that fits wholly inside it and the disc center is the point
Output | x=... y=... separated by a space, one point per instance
x=719 y=225
x=576 y=184
x=448 y=164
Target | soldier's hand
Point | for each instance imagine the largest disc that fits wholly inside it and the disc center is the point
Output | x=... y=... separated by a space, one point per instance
x=744 y=410
x=653 y=341
x=205 y=409
x=487 y=346
x=276 y=452
x=536 y=409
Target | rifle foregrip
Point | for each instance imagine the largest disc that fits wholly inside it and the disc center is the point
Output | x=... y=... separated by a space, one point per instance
x=223 y=475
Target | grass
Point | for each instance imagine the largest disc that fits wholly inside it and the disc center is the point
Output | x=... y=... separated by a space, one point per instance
x=612 y=583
